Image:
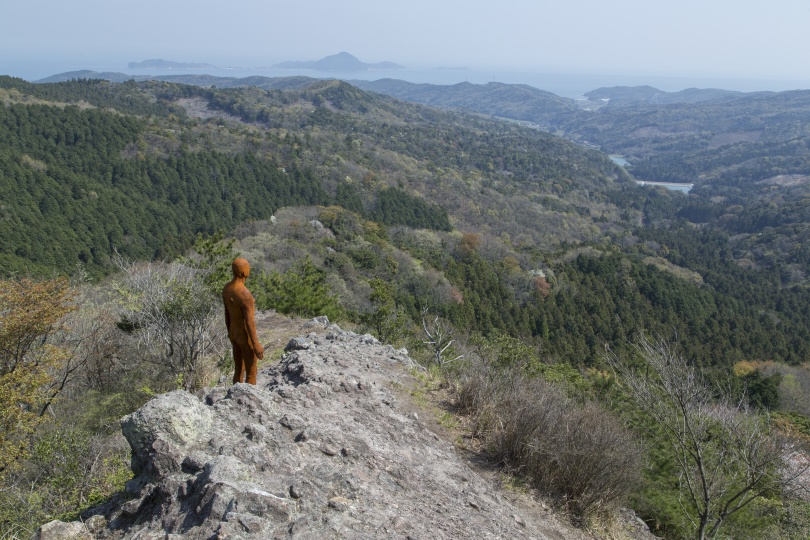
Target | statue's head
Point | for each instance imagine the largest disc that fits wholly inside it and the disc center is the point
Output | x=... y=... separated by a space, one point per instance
x=240 y=267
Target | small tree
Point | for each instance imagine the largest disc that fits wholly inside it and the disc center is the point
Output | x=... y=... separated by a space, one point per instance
x=439 y=339
x=301 y=290
x=173 y=312
x=212 y=255
x=727 y=456
x=30 y=313
x=386 y=320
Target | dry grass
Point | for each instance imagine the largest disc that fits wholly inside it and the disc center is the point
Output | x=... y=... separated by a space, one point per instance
x=576 y=451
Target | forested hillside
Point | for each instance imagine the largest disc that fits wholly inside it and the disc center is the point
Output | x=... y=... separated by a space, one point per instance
x=534 y=257
x=72 y=195
x=81 y=182
x=745 y=153
x=734 y=140
x=146 y=182
x=517 y=101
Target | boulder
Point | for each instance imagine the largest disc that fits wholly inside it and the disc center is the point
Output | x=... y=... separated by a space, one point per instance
x=161 y=432
x=57 y=530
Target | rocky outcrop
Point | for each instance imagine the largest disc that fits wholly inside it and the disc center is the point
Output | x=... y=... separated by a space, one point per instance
x=327 y=445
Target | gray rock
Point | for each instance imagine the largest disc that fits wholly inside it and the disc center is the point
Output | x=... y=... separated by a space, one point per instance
x=298 y=344
x=325 y=446
x=161 y=432
x=321 y=321
x=301 y=488
x=57 y=530
x=368 y=339
x=255 y=432
x=236 y=523
x=341 y=504
x=292 y=422
x=95 y=523
x=194 y=462
x=225 y=469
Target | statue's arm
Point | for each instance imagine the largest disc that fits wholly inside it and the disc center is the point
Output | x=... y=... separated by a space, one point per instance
x=250 y=327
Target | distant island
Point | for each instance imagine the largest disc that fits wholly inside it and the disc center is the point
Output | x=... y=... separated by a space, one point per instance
x=339 y=62
x=157 y=63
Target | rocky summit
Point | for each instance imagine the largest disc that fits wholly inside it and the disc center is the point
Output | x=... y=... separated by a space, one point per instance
x=327 y=445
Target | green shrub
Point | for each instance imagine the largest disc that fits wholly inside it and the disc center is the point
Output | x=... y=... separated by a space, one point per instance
x=302 y=290
x=68 y=471
x=385 y=320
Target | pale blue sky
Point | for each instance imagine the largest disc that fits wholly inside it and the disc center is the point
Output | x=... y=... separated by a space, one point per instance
x=754 y=39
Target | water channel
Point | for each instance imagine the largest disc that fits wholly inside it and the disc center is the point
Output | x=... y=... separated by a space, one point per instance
x=675 y=186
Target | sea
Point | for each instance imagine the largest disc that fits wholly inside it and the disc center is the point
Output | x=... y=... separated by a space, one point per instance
x=566 y=84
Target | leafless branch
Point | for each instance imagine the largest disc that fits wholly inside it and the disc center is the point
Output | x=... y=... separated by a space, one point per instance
x=728 y=455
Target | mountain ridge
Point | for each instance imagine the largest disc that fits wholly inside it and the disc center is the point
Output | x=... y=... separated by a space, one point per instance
x=385 y=130
x=329 y=443
x=516 y=101
x=649 y=94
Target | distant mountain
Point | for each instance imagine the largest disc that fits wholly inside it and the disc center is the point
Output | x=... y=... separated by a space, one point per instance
x=647 y=94
x=516 y=101
x=112 y=76
x=339 y=62
x=267 y=83
x=158 y=63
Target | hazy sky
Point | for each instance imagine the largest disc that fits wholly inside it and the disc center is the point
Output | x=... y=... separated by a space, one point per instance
x=755 y=39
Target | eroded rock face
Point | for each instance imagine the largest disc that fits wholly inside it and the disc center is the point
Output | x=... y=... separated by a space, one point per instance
x=322 y=447
x=161 y=431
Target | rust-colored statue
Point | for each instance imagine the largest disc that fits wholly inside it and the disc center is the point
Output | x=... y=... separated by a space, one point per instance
x=239 y=318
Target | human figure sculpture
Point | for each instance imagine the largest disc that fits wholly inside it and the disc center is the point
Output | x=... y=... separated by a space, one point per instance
x=241 y=324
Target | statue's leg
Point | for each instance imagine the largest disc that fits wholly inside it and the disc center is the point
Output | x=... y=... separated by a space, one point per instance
x=251 y=365
x=238 y=363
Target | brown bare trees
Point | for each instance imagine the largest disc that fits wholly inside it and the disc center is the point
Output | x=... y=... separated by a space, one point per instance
x=174 y=315
x=727 y=456
x=576 y=450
